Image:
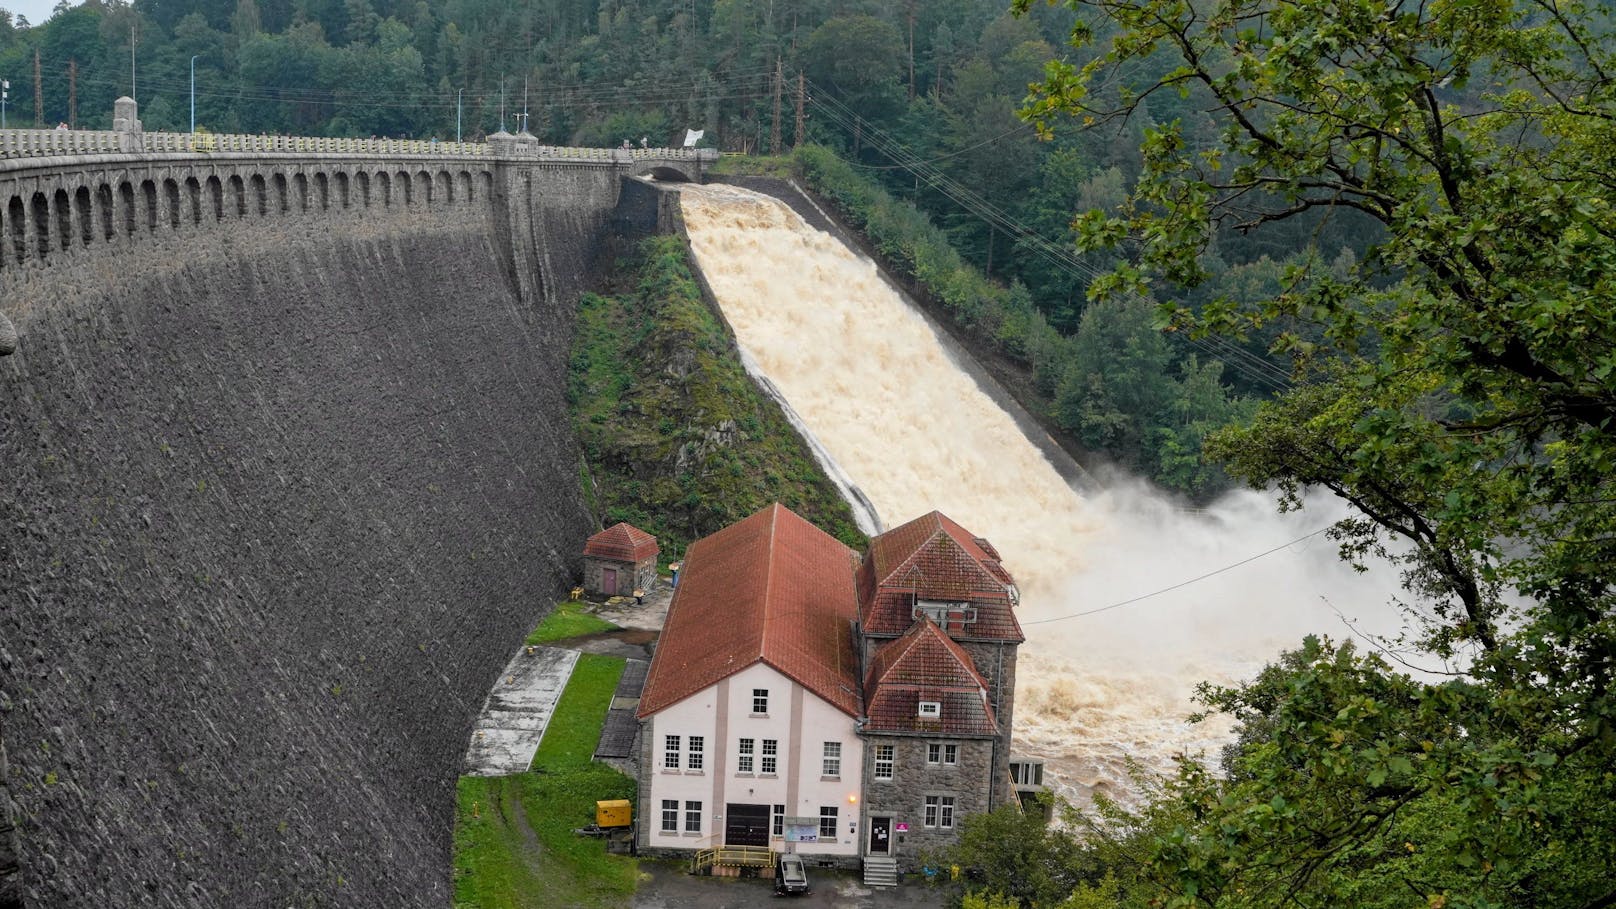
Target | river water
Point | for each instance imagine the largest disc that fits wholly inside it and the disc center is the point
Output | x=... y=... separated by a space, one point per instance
x=887 y=402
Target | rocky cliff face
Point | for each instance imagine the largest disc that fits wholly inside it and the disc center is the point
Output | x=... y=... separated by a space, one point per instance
x=277 y=500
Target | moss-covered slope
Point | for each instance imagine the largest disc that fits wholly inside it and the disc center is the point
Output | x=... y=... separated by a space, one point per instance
x=677 y=438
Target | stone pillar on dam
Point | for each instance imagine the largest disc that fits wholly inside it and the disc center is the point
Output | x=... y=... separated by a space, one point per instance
x=288 y=475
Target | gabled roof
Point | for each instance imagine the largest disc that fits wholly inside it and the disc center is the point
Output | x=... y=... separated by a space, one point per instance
x=925 y=665
x=934 y=558
x=622 y=542
x=771 y=588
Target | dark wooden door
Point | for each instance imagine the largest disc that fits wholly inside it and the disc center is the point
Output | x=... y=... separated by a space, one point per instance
x=880 y=835
x=608 y=581
x=746 y=825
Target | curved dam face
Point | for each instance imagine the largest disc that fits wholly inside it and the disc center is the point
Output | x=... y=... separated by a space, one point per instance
x=278 y=498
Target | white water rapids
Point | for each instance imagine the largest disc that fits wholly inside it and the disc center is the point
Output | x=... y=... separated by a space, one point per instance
x=868 y=377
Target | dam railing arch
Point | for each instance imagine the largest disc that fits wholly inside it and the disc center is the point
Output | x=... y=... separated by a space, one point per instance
x=63 y=190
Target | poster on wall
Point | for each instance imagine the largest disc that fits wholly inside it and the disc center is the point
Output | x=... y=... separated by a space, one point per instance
x=802 y=829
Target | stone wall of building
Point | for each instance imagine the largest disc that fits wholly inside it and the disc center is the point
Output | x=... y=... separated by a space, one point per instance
x=281 y=494
x=903 y=798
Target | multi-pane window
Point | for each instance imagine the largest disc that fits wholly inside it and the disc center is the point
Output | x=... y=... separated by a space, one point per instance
x=778 y=817
x=827 y=822
x=743 y=762
x=697 y=755
x=833 y=759
x=670 y=815
x=692 y=817
x=760 y=700
x=951 y=754
x=930 y=817
x=670 y=752
x=934 y=753
x=883 y=762
x=931 y=710
x=939 y=811
x=771 y=756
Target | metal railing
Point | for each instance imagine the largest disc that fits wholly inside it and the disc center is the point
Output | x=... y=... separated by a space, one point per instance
x=33 y=143
x=732 y=856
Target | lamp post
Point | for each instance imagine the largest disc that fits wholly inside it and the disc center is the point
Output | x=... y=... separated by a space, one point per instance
x=5 y=92
x=193 y=93
x=457 y=113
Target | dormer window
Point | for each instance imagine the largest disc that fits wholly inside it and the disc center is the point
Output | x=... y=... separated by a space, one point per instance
x=945 y=613
x=931 y=710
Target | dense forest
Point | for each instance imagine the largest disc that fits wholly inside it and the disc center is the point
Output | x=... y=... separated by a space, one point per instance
x=920 y=99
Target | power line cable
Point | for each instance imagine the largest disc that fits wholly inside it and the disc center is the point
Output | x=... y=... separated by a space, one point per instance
x=1181 y=584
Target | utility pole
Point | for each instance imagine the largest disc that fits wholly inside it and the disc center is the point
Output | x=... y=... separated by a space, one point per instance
x=39 y=94
x=131 y=61
x=193 y=93
x=5 y=95
x=774 y=134
x=501 y=103
x=458 y=92
x=911 y=5
x=802 y=95
x=72 y=94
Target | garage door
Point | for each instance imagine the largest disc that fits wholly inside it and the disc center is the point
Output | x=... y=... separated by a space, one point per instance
x=746 y=825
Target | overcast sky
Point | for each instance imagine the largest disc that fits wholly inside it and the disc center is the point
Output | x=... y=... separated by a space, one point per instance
x=36 y=11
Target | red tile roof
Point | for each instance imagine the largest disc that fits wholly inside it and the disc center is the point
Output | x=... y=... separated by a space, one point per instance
x=933 y=558
x=622 y=542
x=925 y=665
x=771 y=587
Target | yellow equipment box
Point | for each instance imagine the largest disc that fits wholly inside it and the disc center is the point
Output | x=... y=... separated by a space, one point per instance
x=614 y=813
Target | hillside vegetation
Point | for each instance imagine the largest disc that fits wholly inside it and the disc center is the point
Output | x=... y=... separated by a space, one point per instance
x=677 y=438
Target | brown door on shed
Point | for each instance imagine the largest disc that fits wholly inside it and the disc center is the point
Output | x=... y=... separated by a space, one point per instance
x=746 y=825
x=608 y=581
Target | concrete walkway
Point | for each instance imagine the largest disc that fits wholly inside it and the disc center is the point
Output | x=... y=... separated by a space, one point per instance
x=518 y=710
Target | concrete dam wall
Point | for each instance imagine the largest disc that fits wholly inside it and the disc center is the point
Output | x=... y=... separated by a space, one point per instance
x=284 y=479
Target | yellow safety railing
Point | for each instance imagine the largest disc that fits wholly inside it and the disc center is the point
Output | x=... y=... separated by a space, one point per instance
x=735 y=856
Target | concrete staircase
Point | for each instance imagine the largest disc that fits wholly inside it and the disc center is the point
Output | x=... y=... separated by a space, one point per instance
x=880 y=871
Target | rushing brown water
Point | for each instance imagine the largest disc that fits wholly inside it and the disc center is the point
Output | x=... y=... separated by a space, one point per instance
x=886 y=402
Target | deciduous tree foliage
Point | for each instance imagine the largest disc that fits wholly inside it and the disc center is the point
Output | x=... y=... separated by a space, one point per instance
x=1457 y=384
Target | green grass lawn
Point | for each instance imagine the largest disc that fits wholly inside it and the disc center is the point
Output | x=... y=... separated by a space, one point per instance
x=514 y=845
x=568 y=620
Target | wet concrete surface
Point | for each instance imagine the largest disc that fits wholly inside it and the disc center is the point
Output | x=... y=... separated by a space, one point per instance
x=665 y=885
x=518 y=710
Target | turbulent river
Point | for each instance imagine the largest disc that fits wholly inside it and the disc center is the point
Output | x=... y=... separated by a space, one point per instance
x=888 y=402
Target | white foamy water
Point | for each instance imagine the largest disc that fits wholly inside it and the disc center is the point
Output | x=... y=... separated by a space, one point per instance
x=868 y=377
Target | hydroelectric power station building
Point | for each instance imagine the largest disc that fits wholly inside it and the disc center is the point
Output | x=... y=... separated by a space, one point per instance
x=805 y=698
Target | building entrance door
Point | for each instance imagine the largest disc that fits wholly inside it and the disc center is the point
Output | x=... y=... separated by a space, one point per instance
x=880 y=836
x=608 y=581
x=746 y=825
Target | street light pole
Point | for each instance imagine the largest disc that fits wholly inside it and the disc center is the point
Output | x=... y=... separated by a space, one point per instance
x=457 y=113
x=5 y=92
x=193 y=93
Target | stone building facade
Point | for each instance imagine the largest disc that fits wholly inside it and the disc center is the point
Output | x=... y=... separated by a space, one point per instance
x=619 y=560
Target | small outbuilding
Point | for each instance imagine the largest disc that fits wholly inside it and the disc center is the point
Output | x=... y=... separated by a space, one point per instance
x=619 y=560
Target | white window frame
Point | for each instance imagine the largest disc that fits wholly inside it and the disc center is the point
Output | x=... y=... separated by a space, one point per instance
x=692 y=816
x=885 y=761
x=950 y=753
x=670 y=752
x=670 y=815
x=760 y=702
x=769 y=757
x=833 y=815
x=695 y=755
x=945 y=820
x=743 y=755
x=930 y=710
x=929 y=815
x=831 y=766
x=777 y=820
x=934 y=752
